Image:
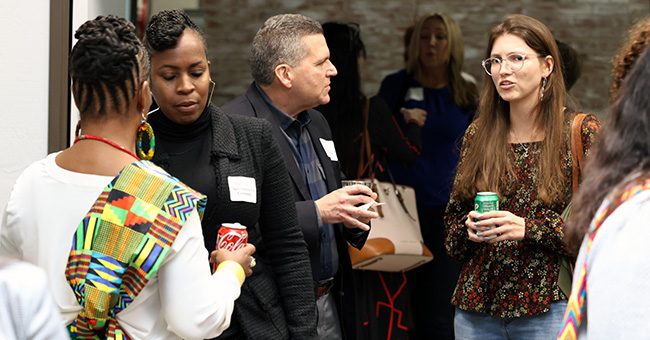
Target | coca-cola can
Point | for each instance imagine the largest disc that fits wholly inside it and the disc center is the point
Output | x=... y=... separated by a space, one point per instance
x=232 y=236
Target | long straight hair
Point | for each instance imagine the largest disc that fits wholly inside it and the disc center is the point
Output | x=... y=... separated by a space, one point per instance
x=464 y=92
x=483 y=168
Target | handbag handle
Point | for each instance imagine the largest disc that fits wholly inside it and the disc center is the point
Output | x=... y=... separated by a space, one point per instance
x=366 y=151
x=398 y=194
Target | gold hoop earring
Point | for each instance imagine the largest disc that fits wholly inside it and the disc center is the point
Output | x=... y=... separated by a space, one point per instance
x=145 y=144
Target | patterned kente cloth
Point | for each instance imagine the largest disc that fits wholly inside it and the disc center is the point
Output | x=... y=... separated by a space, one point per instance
x=121 y=243
x=575 y=310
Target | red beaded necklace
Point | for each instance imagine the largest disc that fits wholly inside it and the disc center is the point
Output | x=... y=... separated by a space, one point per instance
x=107 y=141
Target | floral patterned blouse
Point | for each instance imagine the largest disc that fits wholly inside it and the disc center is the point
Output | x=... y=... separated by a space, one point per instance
x=513 y=278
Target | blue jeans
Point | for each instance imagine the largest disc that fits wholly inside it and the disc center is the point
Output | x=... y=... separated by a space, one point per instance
x=474 y=325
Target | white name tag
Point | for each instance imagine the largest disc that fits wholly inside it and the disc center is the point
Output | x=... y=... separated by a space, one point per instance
x=330 y=150
x=242 y=189
x=414 y=93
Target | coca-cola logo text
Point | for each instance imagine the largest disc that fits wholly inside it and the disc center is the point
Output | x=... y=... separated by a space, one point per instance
x=231 y=240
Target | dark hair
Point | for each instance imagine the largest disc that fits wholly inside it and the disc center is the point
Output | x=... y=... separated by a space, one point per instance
x=107 y=64
x=279 y=41
x=623 y=149
x=344 y=110
x=571 y=64
x=166 y=27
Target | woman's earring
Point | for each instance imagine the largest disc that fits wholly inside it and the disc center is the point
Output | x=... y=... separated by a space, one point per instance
x=145 y=143
x=541 y=92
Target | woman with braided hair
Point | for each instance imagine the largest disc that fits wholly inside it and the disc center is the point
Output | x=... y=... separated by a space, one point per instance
x=118 y=249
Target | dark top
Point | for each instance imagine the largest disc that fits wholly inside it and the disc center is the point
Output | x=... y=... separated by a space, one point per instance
x=189 y=144
x=277 y=300
x=252 y=104
x=511 y=279
x=295 y=130
x=433 y=172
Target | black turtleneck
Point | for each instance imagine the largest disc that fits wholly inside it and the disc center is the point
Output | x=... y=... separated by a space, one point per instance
x=185 y=152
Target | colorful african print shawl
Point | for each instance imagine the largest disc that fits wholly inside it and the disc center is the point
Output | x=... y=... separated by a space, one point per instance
x=575 y=310
x=121 y=243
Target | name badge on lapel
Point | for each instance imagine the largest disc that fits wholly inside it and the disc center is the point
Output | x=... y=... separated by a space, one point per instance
x=330 y=150
x=242 y=189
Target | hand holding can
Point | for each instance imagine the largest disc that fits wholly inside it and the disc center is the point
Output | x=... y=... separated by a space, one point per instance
x=485 y=202
x=231 y=237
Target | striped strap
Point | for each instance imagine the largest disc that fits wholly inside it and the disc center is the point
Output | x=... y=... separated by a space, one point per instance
x=122 y=242
x=575 y=311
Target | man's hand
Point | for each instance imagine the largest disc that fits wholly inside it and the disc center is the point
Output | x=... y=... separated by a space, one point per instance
x=339 y=206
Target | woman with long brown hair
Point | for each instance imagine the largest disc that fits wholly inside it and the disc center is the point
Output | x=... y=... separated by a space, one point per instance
x=517 y=148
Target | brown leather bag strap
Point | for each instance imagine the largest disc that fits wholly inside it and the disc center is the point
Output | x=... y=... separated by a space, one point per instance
x=577 y=152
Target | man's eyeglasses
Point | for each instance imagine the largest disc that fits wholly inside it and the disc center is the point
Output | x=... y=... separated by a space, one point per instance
x=514 y=60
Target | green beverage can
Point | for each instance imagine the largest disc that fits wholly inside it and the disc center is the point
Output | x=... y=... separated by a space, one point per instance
x=485 y=202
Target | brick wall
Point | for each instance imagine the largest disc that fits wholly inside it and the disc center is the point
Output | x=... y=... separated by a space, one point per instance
x=594 y=27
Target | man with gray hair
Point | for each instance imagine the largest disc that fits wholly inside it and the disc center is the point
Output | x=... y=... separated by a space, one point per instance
x=291 y=68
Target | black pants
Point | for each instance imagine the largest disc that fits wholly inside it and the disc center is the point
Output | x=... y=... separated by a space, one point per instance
x=433 y=283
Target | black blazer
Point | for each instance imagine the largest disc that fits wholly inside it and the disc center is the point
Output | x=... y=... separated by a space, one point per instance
x=252 y=104
x=277 y=300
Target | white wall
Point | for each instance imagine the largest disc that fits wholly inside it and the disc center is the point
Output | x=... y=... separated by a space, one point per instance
x=24 y=61
x=83 y=10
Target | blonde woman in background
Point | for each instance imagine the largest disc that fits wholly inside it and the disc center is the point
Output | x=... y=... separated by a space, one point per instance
x=432 y=88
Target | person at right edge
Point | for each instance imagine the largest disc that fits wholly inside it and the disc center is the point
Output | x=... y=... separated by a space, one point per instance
x=610 y=233
x=518 y=147
x=433 y=81
x=291 y=68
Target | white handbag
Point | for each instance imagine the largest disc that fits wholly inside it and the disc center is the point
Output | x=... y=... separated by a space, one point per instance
x=395 y=240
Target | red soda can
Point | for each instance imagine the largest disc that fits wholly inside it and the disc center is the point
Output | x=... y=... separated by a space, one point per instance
x=231 y=236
